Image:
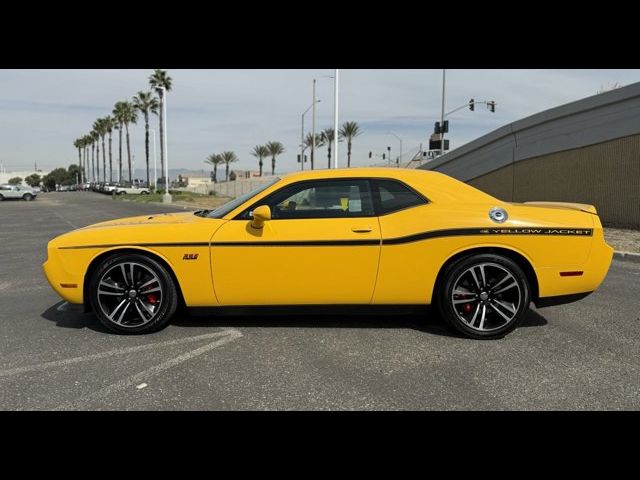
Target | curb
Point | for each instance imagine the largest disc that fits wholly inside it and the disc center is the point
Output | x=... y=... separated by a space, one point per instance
x=627 y=256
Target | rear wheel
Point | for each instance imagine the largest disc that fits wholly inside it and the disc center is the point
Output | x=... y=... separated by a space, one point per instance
x=1 y=198
x=28 y=197
x=484 y=296
x=132 y=294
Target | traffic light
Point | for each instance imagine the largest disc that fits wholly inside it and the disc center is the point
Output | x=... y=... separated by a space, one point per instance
x=492 y=106
x=369 y=154
x=383 y=156
x=298 y=158
x=437 y=128
x=472 y=105
x=445 y=126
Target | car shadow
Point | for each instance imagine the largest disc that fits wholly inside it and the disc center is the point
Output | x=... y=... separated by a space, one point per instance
x=73 y=316
x=424 y=319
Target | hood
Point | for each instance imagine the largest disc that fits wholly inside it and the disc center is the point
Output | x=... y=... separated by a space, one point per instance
x=155 y=219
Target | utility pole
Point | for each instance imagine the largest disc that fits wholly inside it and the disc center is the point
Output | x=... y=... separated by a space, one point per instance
x=313 y=125
x=442 y=114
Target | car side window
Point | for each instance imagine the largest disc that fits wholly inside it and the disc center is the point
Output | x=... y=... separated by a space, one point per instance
x=321 y=199
x=392 y=196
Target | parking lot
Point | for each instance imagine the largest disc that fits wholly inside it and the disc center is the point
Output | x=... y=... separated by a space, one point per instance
x=584 y=355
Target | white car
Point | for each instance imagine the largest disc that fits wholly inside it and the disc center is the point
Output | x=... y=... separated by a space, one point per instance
x=134 y=190
x=17 y=191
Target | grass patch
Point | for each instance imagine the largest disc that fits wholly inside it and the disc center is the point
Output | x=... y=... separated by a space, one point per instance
x=195 y=200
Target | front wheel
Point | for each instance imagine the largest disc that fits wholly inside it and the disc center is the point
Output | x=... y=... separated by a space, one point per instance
x=133 y=294
x=484 y=296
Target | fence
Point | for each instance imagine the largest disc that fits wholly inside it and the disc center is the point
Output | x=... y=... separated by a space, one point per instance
x=229 y=189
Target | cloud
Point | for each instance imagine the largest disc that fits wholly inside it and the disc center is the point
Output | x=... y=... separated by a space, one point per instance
x=43 y=111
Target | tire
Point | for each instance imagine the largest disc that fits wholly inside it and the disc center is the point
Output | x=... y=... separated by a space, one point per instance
x=1 y=198
x=488 y=305
x=27 y=197
x=144 y=307
x=144 y=192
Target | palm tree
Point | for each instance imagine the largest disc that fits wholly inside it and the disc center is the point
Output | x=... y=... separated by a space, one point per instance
x=100 y=127
x=118 y=117
x=126 y=115
x=94 y=141
x=327 y=136
x=349 y=131
x=275 y=149
x=214 y=160
x=96 y=135
x=260 y=151
x=308 y=143
x=146 y=103
x=109 y=125
x=78 y=144
x=161 y=82
x=228 y=157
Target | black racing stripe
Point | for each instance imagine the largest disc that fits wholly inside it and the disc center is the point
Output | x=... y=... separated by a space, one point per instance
x=454 y=232
x=187 y=244
x=302 y=243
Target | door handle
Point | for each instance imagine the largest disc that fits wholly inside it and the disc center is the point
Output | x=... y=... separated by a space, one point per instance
x=361 y=229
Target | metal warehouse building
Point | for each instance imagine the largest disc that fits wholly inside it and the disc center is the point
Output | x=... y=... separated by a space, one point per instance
x=586 y=151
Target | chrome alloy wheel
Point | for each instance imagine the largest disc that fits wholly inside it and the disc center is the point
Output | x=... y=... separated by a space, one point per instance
x=129 y=294
x=486 y=297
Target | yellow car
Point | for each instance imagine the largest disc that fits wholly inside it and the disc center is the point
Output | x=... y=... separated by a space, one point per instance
x=339 y=237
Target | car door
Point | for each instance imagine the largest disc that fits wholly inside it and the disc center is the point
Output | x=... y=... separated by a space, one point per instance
x=407 y=263
x=321 y=246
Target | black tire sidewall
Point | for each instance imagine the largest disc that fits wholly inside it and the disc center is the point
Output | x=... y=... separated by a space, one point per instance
x=27 y=197
x=445 y=290
x=167 y=309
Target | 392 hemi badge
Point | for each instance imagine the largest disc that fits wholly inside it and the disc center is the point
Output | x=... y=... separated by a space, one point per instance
x=190 y=256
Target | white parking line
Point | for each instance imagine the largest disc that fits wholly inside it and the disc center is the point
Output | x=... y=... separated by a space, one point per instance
x=85 y=401
x=118 y=351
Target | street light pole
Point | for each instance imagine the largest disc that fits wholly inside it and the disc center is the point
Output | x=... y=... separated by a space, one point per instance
x=313 y=126
x=335 y=117
x=166 y=198
x=155 y=167
x=442 y=115
x=302 y=147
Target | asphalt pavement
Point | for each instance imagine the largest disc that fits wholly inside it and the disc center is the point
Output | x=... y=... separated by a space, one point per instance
x=581 y=356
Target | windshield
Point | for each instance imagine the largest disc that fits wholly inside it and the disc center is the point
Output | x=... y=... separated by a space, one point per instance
x=222 y=210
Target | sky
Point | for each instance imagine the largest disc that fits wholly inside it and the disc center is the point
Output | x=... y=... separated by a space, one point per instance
x=42 y=112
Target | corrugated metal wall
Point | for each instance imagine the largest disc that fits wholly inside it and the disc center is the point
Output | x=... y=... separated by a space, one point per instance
x=606 y=175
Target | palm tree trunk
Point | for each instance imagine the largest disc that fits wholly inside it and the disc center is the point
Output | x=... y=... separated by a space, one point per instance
x=93 y=161
x=226 y=173
x=104 y=161
x=146 y=143
x=329 y=154
x=215 y=173
x=126 y=126
x=110 y=161
x=160 y=116
x=98 y=159
x=120 y=156
x=260 y=166
x=80 y=163
x=349 y=154
x=273 y=164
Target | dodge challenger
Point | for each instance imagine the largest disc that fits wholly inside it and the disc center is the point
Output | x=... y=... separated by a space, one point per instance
x=339 y=237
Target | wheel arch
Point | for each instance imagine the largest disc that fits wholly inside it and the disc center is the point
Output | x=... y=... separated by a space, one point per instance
x=116 y=251
x=518 y=257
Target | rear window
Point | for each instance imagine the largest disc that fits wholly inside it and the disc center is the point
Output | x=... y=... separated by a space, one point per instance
x=393 y=196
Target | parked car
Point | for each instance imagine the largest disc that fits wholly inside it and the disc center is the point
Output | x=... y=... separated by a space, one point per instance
x=359 y=236
x=132 y=190
x=17 y=191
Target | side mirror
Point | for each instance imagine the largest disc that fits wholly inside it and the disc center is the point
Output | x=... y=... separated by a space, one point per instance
x=260 y=215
